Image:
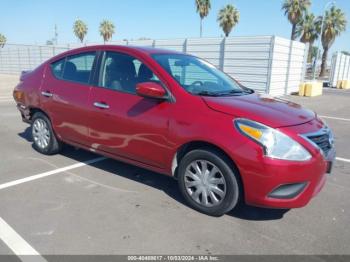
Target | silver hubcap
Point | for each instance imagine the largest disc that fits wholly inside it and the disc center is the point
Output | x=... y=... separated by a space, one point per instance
x=205 y=183
x=41 y=133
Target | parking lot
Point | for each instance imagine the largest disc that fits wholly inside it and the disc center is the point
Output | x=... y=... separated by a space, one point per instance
x=79 y=203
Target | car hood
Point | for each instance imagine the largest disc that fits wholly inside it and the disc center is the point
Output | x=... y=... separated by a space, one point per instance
x=274 y=112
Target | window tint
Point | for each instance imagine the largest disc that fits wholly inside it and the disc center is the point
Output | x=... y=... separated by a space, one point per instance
x=57 y=67
x=75 y=68
x=198 y=76
x=190 y=73
x=123 y=72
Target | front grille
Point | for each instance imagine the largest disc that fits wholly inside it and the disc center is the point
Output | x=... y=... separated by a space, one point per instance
x=323 y=141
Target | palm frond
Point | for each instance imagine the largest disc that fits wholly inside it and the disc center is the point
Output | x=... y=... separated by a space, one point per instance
x=228 y=18
x=80 y=29
x=334 y=24
x=107 y=29
x=2 y=40
x=203 y=7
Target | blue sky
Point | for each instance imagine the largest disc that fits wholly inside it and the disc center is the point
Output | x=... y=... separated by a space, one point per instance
x=24 y=21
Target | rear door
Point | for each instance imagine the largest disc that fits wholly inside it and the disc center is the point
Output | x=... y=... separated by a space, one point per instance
x=123 y=123
x=65 y=94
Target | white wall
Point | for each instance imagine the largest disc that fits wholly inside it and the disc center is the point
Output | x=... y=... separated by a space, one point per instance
x=288 y=66
x=340 y=68
x=265 y=63
x=16 y=58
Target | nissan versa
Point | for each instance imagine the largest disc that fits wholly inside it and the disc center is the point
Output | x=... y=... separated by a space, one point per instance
x=178 y=115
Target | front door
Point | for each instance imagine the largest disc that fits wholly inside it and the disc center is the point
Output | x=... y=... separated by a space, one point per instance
x=123 y=123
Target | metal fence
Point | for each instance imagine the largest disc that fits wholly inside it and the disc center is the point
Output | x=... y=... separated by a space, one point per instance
x=265 y=63
x=340 y=68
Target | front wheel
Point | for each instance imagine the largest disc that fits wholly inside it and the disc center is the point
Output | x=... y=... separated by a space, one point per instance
x=44 y=139
x=208 y=182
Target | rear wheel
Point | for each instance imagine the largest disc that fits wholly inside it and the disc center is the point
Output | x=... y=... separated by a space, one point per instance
x=44 y=139
x=208 y=182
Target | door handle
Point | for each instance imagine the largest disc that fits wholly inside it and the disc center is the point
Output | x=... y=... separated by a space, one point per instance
x=46 y=93
x=101 y=105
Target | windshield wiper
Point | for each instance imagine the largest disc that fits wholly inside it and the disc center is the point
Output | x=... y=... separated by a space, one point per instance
x=206 y=93
x=231 y=92
x=223 y=93
x=235 y=92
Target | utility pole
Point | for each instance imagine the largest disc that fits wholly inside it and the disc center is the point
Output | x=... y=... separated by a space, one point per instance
x=56 y=35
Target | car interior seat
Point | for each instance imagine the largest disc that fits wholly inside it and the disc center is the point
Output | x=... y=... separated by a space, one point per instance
x=70 y=71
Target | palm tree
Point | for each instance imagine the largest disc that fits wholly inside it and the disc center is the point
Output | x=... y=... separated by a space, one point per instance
x=333 y=25
x=106 y=30
x=228 y=17
x=308 y=28
x=294 y=9
x=203 y=8
x=80 y=30
x=315 y=52
x=2 y=40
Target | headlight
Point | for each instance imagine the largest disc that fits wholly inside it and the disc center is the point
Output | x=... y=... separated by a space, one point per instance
x=275 y=143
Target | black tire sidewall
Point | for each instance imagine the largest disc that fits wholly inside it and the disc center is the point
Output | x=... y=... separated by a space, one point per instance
x=233 y=190
x=52 y=146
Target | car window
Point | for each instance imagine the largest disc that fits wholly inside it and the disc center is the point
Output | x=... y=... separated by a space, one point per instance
x=199 y=77
x=75 y=68
x=57 y=67
x=190 y=73
x=123 y=72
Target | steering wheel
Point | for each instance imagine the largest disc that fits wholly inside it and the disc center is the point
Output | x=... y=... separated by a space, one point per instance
x=195 y=84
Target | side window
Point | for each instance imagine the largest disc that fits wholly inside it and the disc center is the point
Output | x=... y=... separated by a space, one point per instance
x=57 y=67
x=75 y=68
x=123 y=72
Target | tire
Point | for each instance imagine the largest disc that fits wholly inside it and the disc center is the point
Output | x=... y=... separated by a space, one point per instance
x=226 y=179
x=44 y=139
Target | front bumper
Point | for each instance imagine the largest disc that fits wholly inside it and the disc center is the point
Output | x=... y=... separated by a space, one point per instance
x=259 y=187
x=277 y=183
x=25 y=113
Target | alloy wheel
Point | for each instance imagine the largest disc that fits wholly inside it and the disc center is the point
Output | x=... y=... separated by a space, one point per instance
x=41 y=133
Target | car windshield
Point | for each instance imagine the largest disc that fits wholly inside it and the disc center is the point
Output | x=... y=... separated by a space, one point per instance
x=199 y=77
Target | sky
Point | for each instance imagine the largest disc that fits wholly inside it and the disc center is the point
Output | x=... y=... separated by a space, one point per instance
x=32 y=21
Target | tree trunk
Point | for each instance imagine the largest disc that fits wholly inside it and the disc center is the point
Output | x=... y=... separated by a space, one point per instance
x=201 y=28
x=309 y=56
x=324 y=62
x=293 y=36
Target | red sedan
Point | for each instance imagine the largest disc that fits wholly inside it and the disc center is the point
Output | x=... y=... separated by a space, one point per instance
x=178 y=115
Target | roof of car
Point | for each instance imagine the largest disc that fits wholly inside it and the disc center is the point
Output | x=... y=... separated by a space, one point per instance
x=143 y=49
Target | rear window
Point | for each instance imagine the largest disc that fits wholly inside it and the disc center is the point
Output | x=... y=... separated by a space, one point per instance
x=75 y=68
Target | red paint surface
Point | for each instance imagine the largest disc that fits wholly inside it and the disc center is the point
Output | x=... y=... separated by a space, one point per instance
x=148 y=132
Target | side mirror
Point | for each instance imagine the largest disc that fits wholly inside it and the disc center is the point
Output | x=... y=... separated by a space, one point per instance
x=151 y=90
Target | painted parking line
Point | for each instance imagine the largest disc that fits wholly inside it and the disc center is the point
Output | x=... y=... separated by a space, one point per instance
x=49 y=173
x=335 y=118
x=343 y=159
x=17 y=244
